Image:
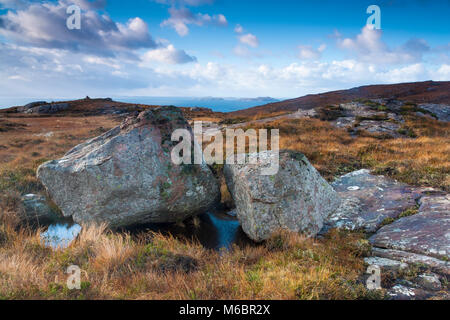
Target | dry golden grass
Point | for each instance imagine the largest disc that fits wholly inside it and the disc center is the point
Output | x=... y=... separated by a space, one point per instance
x=153 y=266
x=422 y=161
x=39 y=140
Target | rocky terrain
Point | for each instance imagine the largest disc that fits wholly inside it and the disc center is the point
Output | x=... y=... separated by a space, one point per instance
x=121 y=175
x=125 y=177
x=382 y=118
x=433 y=92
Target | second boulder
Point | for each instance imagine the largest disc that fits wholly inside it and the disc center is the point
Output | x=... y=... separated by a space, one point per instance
x=297 y=198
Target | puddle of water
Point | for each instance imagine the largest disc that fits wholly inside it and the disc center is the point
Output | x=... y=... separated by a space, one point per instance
x=60 y=235
x=217 y=230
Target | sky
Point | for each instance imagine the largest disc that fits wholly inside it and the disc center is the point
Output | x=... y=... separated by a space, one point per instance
x=218 y=48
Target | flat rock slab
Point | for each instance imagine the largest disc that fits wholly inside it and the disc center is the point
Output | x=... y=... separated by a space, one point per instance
x=440 y=111
x=436 y=265
x=427 y=232
x=368 y=200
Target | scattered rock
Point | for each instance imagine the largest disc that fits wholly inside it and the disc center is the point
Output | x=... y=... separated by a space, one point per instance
x=368 y=200
x=297 y=198
x=36 y=209
x=436 y=265
x=403 y=292
x=200 y=109
x=386 y=264
x=429 y=281
x=440 y=111
x=380 y=127
x=426 y=233
x=126 y=177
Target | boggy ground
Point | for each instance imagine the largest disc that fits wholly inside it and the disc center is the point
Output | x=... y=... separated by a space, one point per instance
x=153 y=266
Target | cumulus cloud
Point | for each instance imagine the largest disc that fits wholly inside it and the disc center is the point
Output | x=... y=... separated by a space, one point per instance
x=180 y=19
x=44 y=25
x=168 y=55
x=238 y=29
x=308 y=52
x=369 y=47
x=250 y=40
x=242 y=51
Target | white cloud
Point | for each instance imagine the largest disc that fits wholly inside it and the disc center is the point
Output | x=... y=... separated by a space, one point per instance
x=45 y=26
x=443 y=73
x=242 y=51
x=250 y=40
x=112 y=63
x=369 y=47
x=308 y=52
x=238 y=29
x=168 y=55
x=180 y=19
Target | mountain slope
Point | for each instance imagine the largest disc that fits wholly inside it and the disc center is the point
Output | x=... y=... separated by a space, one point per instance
x=416 y=92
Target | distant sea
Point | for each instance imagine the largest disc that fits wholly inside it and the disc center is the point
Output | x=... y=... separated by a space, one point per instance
x=216 y=104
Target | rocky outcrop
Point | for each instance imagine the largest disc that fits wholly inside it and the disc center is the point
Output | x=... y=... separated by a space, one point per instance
x=373 y=117
x=297 y=198
x=409 y=225
x=48 y=108
x=426 y=233
x=41 y=107
x=126 y=176
x=368 y=200
x=30 y=106
x=439 y=111
x=36 y=209
x=437 y=265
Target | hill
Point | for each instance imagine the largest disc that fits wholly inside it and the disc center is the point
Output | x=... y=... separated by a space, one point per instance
x=416 y=92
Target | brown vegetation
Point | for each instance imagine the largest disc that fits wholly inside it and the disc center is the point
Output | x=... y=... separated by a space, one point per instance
x=153 y=266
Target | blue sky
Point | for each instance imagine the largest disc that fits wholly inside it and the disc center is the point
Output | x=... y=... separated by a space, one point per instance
x=228 y=48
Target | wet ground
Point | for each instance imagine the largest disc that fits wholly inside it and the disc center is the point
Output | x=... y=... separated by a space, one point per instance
x=216 y=230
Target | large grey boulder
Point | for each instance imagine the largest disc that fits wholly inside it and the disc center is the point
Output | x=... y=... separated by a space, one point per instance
x=126 y=177
x=297 y=198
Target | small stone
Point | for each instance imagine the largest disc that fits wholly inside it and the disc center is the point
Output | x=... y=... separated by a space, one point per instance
x=429 y=281
x=36 y=209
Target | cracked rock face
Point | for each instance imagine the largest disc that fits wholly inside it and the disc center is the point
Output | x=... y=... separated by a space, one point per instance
x=368 y=200
x=126 y=176
x=427 y=232
x=297 y=198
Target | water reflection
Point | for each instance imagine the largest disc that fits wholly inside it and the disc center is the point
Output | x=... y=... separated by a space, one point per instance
x=217 y=230
x=60 y=235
